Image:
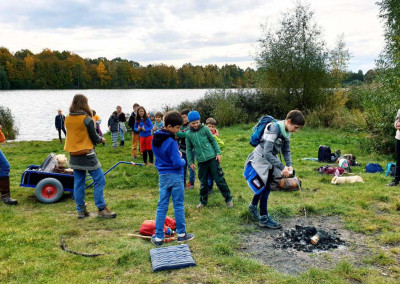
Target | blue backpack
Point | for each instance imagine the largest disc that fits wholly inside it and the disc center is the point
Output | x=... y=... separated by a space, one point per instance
x=373 y=168
x=258 y=130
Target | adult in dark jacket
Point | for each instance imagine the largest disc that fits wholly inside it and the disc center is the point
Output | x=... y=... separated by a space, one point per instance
x=59 y=121
x=122 y=127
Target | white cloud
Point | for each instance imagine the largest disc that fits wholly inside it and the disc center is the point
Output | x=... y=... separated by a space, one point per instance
x=177 y=32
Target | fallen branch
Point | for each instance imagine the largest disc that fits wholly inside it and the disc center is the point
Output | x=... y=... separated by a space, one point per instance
x=166 y=240
x=64 y=247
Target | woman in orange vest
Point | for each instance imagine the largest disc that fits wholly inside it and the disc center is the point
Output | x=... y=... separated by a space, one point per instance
x=80 y=141
x=5 y=176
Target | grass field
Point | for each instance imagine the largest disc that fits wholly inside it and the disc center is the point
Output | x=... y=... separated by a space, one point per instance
x=30 y=232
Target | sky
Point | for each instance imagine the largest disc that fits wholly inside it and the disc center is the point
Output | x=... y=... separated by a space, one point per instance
x=176 y=32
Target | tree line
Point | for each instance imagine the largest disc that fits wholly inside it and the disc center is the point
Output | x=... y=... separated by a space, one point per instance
x=66 y=70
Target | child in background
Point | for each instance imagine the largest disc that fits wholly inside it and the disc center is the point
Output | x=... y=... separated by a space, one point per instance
x=208 y=157
x=97 y=121
x=113 y=125
x=144 y=126
x=170 y=164
x=264 y=161
x=182 y=147
x=135 y=134
x=211 y=123
x=158 y=123
x=80 y=143
x=152 y=117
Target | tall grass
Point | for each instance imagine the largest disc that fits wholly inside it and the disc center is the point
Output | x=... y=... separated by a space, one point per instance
x=7 y=122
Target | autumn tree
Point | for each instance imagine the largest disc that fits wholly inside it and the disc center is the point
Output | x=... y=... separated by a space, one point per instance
x=102 y=74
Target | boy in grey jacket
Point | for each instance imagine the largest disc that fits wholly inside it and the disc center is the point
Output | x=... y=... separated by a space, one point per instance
x=264 y=160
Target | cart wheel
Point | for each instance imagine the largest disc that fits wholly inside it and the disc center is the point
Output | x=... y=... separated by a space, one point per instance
x=49 y=190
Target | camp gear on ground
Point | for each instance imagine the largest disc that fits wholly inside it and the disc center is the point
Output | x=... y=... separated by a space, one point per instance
x=172 y=257
x=348 y=179
x=390 y=169
x=373 y=168
x=286 y=184
x=310 y=159
x=325 y=154
x=259 y=128
x=345 y=164
x=331 y=170
x=148 y=227
x=351 y=158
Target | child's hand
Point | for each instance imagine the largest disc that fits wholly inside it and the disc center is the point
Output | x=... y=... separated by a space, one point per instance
x=285 y=172
x=218 y=158
x=192 y=167
x=154 y=128
x=139 y=128
x=103 y=140
x=180 y=153
x=109 y=127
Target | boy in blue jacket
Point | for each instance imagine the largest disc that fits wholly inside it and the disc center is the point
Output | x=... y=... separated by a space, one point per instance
x=170 y=164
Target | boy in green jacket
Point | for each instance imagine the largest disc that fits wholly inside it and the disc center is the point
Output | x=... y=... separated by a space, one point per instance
x=208 y=155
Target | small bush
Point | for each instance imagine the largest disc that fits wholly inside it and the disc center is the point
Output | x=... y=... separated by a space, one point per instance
x=8 y=123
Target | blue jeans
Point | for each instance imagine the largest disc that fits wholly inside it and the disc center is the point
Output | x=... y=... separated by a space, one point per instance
x=79 y=188
x=121 y=133
x=192 y=173
x=170 y=184
x=4 y=166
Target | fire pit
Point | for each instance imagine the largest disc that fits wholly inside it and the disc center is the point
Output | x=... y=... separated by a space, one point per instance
x=307 y=239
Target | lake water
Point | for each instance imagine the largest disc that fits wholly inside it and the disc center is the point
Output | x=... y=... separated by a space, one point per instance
x=35 y=110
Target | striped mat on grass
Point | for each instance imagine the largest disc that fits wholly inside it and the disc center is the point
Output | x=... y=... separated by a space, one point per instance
x=172 y=257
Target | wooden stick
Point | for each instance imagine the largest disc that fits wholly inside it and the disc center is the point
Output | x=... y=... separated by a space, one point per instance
x=64 y=247
x=166 y=240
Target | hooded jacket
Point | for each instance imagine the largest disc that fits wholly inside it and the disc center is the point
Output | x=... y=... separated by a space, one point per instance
x=203 y=143
x=165 y=149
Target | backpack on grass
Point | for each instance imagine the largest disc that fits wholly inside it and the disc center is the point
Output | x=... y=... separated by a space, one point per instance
x=148 y=227
x=390 y=169
x=258 y=130
x=286 y=184
x=373 y=168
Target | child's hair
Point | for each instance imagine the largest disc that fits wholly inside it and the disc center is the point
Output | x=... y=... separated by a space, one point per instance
x=296 y=117
x=94 y=112
x=173 y=118
x=185 y=111
x=211 y=121
x=80 y=103
x=159 y=114
x=138 y=116
x=136 y=105
x=115 y=113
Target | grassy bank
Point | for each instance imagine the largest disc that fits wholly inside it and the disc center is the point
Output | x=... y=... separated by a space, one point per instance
x=30 y=232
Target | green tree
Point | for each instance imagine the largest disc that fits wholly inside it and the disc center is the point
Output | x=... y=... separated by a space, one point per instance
x=339 y=58
x=293 y=60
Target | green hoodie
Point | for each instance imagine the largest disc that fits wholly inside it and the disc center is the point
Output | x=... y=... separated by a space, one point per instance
x=203 y=143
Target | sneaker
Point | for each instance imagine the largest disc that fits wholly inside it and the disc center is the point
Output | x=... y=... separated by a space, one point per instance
x=106 y=213
x=9 y=201
x=267 y=221
x=189 y=185
x=186 y=237
x=393 y=183
x=133 y=157
x=229 y=204
x=201 y=205
x=83 y=214
x=254 y=211
x=155 y=242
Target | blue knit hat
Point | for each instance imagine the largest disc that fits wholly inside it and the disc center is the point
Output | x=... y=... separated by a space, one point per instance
x=193 y=115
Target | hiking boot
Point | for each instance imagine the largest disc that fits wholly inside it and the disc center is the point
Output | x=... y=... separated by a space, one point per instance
x=229 y=204
x=189 y=185
x=201 y=205
x=155 y=242
x=186 y=237
x=133 y=157
x=122 y=143
x=83 y=214
x=393 y=183
x=106 y=213
x=9 y=201
x=267 y=221
x=254 y=212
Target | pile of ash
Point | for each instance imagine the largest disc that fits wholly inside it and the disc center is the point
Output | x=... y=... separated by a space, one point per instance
x=307 y=239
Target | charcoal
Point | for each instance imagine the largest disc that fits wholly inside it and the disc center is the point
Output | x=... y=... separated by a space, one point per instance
x=299 y=238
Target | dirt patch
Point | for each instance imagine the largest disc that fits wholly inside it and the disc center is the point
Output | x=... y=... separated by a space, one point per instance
x=261 y=245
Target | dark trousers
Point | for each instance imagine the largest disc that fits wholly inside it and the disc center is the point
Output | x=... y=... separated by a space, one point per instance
x=213 y=169
x=59 y=132
x=263 y=196
x=397 y=175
